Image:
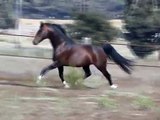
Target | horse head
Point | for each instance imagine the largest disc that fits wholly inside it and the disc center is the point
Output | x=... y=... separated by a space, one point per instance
x=42 y=33
x=54 y=32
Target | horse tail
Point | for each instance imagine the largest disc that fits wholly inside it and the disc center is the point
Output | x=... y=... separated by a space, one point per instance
x=124 y=63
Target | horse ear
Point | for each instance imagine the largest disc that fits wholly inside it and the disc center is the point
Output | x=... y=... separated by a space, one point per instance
x=41 y=24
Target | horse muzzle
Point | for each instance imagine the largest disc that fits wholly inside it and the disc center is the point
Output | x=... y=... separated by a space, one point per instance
x=34 y=42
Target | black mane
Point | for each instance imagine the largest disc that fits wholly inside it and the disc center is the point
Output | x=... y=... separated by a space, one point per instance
x=60 y=27
x=61 y=31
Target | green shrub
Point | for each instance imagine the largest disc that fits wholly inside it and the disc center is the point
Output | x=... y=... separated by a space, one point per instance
x=94 y=26
x=106 y=102
x=74 y=77
x=143 y=102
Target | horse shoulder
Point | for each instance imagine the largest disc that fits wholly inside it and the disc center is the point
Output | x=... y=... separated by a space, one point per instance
x=61 y=50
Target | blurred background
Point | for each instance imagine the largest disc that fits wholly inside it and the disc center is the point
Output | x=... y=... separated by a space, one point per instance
x=131 y=26
x=134 y=23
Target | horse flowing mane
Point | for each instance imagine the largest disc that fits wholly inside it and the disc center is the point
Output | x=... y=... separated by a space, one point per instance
x=61 y=31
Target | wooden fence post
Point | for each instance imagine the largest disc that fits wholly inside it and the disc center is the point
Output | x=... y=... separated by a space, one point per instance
x=159 y=55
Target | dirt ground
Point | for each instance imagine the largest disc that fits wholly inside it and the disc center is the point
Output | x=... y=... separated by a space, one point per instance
x=136 y=98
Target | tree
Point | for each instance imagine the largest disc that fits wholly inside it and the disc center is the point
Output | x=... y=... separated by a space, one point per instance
x=94 y=26
x=7 y=19
x=143 y=24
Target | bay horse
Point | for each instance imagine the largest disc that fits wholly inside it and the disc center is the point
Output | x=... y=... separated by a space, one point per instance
x=67 y=53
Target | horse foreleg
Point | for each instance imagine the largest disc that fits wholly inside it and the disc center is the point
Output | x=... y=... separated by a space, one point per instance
x=61 y=70
x=47 y=69
x=87 y=71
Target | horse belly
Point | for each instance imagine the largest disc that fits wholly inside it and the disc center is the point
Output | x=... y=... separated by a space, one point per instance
x=79 y=60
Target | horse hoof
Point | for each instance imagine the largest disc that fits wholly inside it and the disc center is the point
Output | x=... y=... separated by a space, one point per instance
x=40 y=77
x=114 y=86
x=66 y=85
x=38 y=81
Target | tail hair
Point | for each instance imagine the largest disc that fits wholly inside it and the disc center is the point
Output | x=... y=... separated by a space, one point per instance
x=124 y=63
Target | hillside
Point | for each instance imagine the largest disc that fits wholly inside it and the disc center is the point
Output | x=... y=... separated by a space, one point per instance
x=63 y=9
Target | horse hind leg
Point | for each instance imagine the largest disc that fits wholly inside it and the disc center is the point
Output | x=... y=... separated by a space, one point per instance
x=107 y=76
x=86 y=71
x=61 y=70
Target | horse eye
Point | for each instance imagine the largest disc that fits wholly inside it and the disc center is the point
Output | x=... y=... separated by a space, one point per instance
x=40 y=31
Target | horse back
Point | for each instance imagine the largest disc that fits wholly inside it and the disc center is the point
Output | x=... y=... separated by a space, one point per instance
x=91 y=54
x=80 y=55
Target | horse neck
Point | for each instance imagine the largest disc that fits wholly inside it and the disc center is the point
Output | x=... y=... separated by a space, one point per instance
x=56 y=41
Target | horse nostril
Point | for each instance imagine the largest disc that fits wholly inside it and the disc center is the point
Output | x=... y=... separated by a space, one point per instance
x=34 y=43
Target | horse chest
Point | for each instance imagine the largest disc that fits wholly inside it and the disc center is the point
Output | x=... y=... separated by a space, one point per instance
x=61 y=54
